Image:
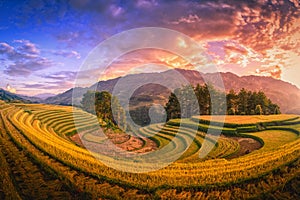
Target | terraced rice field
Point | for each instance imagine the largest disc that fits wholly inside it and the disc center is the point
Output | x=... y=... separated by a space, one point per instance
x=42 y=160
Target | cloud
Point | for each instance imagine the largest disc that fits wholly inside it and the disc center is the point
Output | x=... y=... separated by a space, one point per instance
x=35 y=85
x=266 y=24
x=68 y=54
x=274 y=72
x=231 y=47
x=6 y=48
x=24 y=59
x=62 y=75
x=264 y=32
x=27 y=67
x=67 y=36
x=146 y=3
x=10 y=89
x=189 y=19
x=27 y=47
x=116 y=11
x=50 y=85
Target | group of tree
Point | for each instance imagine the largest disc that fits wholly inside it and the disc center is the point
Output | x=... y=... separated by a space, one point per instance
x=206 y=100
x=106 y=107
x=250 y=103
x=182 y=103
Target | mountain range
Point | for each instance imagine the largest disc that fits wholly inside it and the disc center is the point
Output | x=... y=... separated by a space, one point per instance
x=282 y=93
x=12 y=97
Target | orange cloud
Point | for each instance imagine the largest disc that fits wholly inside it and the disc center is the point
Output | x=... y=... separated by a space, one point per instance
x=274 y=72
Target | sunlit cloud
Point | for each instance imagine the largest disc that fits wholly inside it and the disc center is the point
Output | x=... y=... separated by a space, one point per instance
x=245 y=37
x=10 y=89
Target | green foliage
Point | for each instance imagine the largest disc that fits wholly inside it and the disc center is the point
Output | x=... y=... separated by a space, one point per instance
x=105 y=107
x=242 y=103
x=173 y=107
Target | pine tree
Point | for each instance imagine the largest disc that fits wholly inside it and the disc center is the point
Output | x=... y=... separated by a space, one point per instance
x=243 y=102
x=173 y=107
x=231 y=101
x=277 y=110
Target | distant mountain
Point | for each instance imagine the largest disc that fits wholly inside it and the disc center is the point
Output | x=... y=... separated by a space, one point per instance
x=31 y=99
x=11 y=97
x=44 y=95
x=286 y=95
x=65 y=98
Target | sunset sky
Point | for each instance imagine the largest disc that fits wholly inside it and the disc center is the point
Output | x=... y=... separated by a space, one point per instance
x=43 y=43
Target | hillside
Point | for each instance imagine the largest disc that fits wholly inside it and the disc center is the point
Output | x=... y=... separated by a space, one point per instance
x=282 y=93
x=9 y=97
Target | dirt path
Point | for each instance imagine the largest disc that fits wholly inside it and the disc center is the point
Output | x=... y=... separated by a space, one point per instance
x=247 y=145
x=123 y=141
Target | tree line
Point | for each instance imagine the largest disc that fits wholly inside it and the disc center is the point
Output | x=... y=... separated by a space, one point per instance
x=206 y=100
x=184 y=102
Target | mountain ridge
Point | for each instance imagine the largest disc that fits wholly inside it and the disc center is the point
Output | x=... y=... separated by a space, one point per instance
x=11 y=97
x=285 y=94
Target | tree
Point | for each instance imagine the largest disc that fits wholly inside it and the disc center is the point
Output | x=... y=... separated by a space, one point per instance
x=203 y=97
x=258 y=110
x=188 y=101
x=277 y=110
x=103 y=105
x=172 y=107
x=231 y=98
x=263 y=101
x=243 y=102
x=100 y=104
